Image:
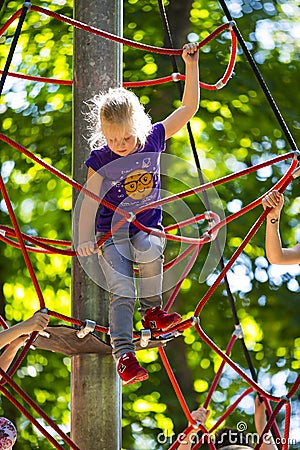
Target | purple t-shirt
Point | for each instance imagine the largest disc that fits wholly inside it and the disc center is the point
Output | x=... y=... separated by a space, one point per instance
x=130 y=182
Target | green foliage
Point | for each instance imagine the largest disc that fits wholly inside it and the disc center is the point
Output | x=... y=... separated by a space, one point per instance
x=234 y=129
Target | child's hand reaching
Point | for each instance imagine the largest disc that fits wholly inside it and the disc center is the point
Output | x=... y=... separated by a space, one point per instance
x=190 y=52
x=87 y=248
x=38 y=322
x=260 y=420
x=17 y=335
x=200 y=415
x=274 y=200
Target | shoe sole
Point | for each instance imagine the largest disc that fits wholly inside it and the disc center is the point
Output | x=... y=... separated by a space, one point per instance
x=136 y=379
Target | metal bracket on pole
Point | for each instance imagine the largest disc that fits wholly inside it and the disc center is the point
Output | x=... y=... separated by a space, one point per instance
x=87 y=327
x=168 y=336
x=145 y=338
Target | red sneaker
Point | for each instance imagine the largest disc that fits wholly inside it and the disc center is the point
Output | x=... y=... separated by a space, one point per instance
x=129 y=369
x=156 y=318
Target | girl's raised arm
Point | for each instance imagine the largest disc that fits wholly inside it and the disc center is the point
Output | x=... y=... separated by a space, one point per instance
x=191 y=95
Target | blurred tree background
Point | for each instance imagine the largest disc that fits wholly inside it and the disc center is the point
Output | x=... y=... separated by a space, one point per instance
x=233 y=129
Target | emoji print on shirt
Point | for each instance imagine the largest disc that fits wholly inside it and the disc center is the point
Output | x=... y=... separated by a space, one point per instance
x=138 y=184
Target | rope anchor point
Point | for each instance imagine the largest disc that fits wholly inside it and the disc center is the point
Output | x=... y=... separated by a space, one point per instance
x=87 y=327
x=286 y=399
x=175 y=76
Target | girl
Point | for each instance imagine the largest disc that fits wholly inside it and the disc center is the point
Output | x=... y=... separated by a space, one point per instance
x=125 y=172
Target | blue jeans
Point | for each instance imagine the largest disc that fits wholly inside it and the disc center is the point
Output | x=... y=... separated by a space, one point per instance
x=118 y=257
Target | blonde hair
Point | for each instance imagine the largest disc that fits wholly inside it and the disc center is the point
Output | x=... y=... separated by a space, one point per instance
x=118 y=107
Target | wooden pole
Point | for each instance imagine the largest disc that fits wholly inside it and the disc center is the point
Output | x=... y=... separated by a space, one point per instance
x=95 y=386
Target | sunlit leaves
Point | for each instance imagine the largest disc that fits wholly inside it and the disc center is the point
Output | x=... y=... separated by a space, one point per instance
x=38 y=116
x=234 y=129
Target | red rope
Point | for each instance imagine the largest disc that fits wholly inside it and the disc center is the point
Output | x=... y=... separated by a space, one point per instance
x=38 y=241
x=295 y=387
x=270 y=422
x=171 y=237
x=125 y=216
x=220 y=277
x=179 y=258
x=29 y=248
x=10 y=21
x=49 y=249
x=280 y=185
x=226 y=414
x=286 y=432
x=31 y=418
x=186 y=222
x=182 y=278
x=287 y=179
x=74 y=321
x=126 y=84
x=234 y=366
x=14 y=367
x=130 y=43
x=215 y=382
x=231 y=64
x=38 y=78
x=175 y=385
x=3 y=323
x=231 y=408
x=156 y=81
x=21 y=241
x=269 y=412
x=159 y=50
x=217 y=182
x=61 y=175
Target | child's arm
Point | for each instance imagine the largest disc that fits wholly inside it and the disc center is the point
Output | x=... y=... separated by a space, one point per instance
x=260 y=423
x=200 y=415
x=276 y=254
x=191 y=95
x=10 y=352
x=13 y=336
x=89 y=207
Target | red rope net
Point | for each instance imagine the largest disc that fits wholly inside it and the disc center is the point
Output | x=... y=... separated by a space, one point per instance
x=105 y=35
x=28 y=244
